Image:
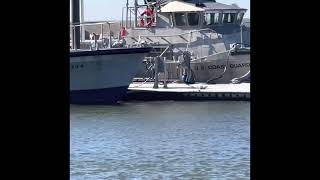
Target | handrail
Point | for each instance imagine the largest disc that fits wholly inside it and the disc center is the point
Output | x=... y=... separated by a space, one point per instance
x=164 y=51
x=88 y=23
x=199 y=30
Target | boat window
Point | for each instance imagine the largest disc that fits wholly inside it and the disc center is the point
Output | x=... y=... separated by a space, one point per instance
x=232 y=17
x=193 y=19
x=211 y=18
x=180 y=19
x=229 y=17
x=207 y=19
x=216 y=18
x=239 y=17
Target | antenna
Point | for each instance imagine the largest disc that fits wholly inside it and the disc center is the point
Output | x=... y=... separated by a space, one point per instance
x=135 y=12
x=82 y=19
x=76 y=19
x=127 y=5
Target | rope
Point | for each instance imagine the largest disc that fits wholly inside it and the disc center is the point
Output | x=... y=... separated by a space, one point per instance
x=238 y=80
x=225 y=68
x=143 y=82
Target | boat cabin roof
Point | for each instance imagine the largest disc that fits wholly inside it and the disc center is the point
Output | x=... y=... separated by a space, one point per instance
x=178 y=6
x=191 y=14
x=218 y=6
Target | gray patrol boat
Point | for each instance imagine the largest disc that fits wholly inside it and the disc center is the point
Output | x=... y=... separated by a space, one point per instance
x=192 y=40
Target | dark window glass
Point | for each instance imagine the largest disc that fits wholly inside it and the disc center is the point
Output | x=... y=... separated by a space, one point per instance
x=180 y=19
x=239 y=17
x=229 y=17
x=211 y=18
x=193 y=19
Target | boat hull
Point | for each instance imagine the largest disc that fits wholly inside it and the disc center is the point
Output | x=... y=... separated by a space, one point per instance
x=207 y=70
x=103 y=76
x=212 y=70
x=98 y=96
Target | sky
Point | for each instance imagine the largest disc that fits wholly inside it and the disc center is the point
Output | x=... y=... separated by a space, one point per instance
x=96 y=10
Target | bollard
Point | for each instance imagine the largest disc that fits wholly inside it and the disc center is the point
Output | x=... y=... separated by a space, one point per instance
x=165 y=85
x=156 y=77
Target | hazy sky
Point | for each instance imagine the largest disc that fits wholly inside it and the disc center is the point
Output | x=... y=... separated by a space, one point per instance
x=96 y=10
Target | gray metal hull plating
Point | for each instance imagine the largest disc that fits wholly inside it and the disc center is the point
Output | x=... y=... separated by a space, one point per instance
x=215 y=68
x=102 y=77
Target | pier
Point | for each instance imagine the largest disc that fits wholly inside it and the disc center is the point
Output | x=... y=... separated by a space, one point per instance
x=185 y=92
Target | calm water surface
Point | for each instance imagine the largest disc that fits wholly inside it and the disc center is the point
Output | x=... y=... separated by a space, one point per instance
x=160 y=140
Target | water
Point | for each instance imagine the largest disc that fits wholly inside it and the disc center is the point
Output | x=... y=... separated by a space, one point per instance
x=161 y=140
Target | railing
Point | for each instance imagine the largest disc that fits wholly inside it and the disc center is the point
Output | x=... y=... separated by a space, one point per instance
x=188 y=41
x=91 y=23
x=173 y=35
x=190 y=32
